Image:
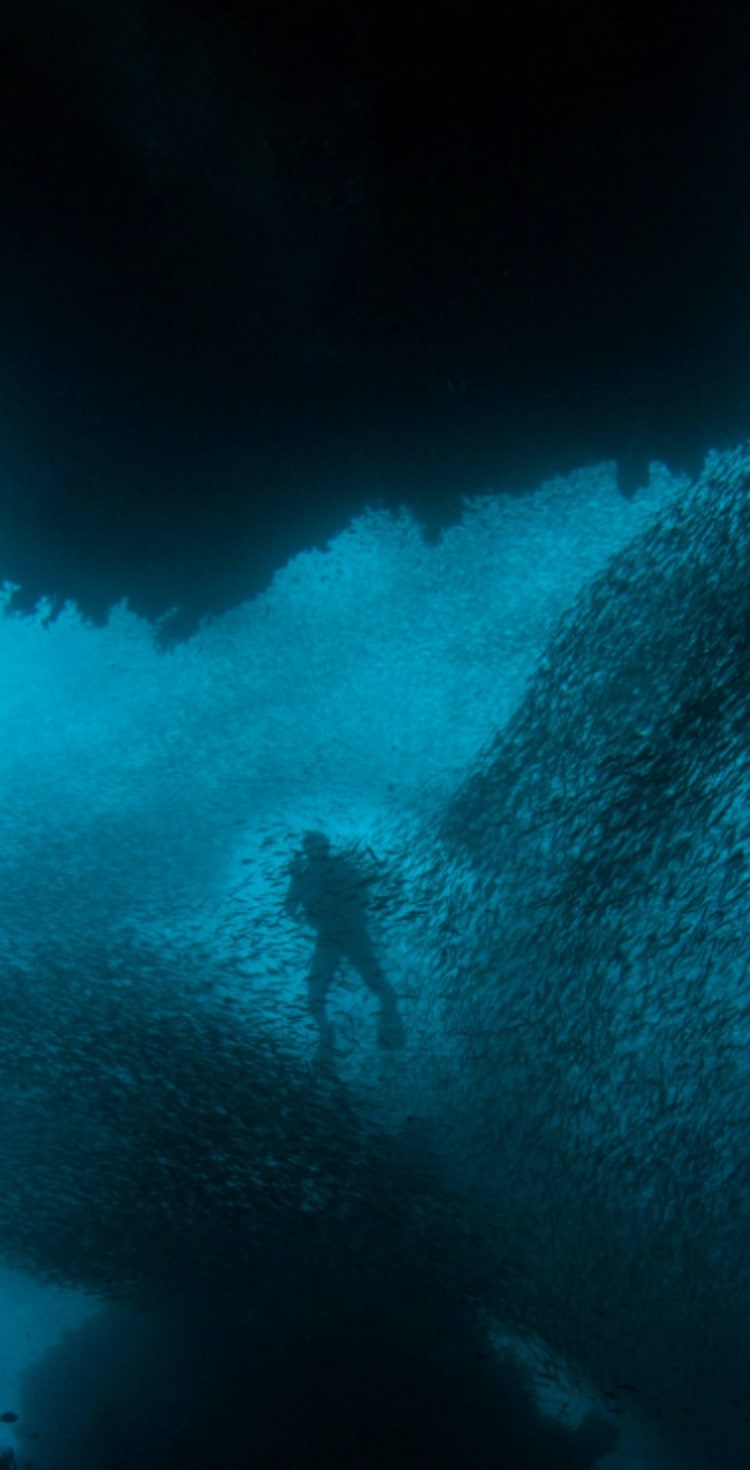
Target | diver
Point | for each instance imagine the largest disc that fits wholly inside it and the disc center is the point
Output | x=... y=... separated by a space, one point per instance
x=330 y=890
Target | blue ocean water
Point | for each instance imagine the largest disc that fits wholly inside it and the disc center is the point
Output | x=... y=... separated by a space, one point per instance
x=532 y=736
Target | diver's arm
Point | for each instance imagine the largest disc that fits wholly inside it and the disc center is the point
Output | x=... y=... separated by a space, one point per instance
x=293 y=900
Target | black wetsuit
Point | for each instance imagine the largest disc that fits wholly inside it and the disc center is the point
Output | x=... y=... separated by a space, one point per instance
x=331 y=891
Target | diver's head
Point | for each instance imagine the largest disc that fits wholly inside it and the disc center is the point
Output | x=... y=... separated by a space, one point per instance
x=316 y=844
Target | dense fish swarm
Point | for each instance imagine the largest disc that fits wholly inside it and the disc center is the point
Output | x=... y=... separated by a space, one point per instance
x=314 y=1276
x=156 y=1146
x=571 y=1156
x=597 y=963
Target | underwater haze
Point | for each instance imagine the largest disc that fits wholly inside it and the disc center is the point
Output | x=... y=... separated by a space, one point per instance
x=506 y=1229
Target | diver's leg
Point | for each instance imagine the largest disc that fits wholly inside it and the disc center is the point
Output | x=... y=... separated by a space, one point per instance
x=362 y=956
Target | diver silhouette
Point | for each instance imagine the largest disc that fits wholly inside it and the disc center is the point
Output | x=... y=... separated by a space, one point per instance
x=330 y=890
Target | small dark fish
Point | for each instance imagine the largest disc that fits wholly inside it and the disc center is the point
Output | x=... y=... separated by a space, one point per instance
x=8 y=1417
